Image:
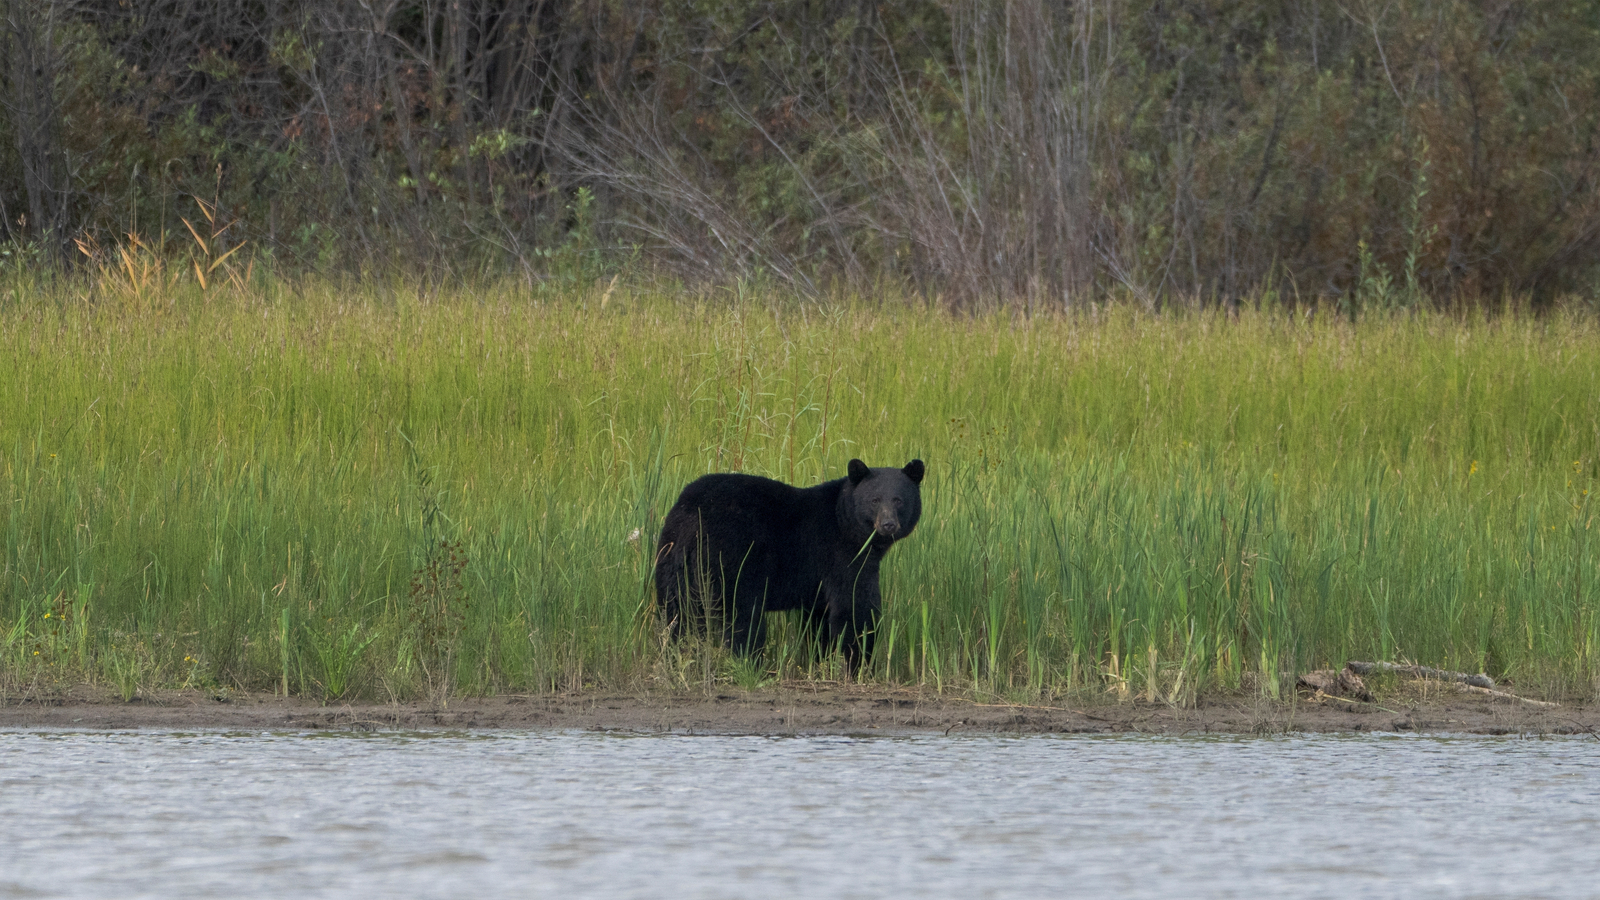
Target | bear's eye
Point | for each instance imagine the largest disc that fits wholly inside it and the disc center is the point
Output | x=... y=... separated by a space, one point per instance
x=899 y=503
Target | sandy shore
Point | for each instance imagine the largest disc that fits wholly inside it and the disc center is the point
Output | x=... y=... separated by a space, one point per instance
x=800 y=708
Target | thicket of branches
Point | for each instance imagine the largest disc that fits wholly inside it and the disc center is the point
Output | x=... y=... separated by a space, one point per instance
x=1043 y=152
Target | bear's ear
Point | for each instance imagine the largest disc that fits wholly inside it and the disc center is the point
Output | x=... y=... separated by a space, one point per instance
x=858 y=471
x=914 y=471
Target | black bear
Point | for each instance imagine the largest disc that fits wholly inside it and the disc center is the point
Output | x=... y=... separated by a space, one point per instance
x=737 y=546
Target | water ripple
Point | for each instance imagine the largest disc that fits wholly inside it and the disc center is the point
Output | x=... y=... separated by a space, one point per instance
x=171 y=814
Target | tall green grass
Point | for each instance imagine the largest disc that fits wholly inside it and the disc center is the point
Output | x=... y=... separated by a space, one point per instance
x=360 y=490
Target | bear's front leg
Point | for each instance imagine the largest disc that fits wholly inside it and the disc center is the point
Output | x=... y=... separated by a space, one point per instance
x=853 y=625
x=814 y=625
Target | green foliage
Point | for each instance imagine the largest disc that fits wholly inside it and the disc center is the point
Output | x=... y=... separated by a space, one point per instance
x=1174 y=151
x=341 y=491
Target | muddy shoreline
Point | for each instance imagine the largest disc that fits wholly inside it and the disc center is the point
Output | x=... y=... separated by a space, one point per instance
x=801 y=708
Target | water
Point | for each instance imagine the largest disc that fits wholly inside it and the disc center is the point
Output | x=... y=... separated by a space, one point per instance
x=568 y=814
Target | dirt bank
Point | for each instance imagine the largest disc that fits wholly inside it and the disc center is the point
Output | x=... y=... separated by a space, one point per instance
x=800 y=708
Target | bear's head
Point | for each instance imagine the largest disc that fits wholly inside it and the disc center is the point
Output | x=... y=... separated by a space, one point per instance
x=881 y=505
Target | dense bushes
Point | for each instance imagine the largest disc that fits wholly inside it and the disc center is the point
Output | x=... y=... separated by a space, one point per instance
x=1034 y=152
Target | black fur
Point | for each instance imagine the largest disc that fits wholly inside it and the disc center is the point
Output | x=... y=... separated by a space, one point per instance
x=770 y=547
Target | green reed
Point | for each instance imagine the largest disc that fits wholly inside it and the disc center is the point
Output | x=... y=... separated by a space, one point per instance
x=370 y=491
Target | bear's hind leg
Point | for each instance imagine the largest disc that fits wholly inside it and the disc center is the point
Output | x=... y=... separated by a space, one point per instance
x=671 y=590
x=749 y=626
x=687 y=596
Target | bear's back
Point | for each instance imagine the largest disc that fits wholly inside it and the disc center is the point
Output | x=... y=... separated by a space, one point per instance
x=744 y=507
x=773 y=536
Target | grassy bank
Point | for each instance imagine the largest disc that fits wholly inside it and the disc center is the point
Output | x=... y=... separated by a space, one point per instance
x=356 y=491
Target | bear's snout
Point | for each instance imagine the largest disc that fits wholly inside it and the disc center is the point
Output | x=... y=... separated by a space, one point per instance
x=888 y=526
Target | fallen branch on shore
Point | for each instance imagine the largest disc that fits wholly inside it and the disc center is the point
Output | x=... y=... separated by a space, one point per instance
x=1505 y=696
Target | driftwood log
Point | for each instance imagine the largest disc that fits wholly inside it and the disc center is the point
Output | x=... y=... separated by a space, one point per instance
x=1347 y=683
x=1367 y=668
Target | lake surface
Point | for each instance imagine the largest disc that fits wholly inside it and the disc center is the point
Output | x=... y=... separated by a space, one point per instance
x=164 y=814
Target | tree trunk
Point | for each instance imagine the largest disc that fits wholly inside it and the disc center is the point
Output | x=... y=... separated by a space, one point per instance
x=27 y=34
